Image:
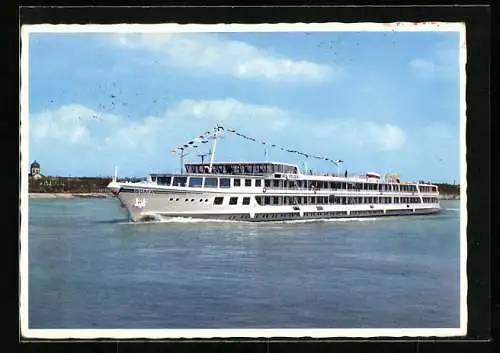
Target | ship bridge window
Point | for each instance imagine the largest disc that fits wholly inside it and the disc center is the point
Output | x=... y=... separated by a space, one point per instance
x=195 y=182
x=258 y=183
x=225 y=183
x=267 y=183
x=179 y=181
x=237 y=182
x=210 y=182
x=164 y=180
x=248 y=182
x=246 y=201
x=218 y=169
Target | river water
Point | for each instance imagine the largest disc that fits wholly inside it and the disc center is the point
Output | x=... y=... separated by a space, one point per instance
x=90 y=268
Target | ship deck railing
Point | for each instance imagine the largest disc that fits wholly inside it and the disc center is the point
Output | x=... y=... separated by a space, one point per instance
x=371 y=192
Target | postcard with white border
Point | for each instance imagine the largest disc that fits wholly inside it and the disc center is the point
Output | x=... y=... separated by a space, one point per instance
x=230 y=180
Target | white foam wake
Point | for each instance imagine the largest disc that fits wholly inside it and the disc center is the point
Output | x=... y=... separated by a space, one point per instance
x=190 y=220
x=180 y=220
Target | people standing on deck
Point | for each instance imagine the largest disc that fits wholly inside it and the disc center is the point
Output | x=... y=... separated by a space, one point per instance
x=345 y=174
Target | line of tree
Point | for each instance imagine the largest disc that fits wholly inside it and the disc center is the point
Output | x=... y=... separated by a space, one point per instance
x=73 y=184
x=449 y=189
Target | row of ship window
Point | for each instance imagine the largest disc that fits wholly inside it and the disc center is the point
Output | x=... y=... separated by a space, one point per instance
x=338 y=200
x=207 y=182
x=218 y=200
x=244 y=168
x=213 y=182
x=323 y=200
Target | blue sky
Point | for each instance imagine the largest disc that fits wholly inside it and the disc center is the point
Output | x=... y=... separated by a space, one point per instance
x=380 y=101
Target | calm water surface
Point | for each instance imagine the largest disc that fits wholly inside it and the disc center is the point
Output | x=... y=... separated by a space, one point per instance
x=90 y=268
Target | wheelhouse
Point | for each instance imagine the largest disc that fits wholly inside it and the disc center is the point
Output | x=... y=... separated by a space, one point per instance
x=233 y=168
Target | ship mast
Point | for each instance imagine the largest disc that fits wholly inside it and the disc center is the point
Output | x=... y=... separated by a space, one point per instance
x=215 y=136
x=181 y=154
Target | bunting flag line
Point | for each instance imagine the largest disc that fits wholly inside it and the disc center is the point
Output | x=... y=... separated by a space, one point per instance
x=209 y=135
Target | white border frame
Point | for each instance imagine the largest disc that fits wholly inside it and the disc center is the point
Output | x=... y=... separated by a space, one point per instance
x=26 y=332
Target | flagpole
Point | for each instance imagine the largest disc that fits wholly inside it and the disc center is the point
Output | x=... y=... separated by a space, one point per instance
x=182 y=160
x=215 y=137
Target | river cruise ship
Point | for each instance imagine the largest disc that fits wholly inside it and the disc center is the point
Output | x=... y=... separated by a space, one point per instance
x=270 y=191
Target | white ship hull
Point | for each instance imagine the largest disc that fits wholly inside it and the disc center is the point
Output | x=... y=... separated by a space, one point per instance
x=148 y=205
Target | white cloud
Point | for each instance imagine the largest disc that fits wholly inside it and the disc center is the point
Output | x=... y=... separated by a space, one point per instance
x=64 y=124
x=76 y=126
x=424 y=68
x=145 y=143
x=387 y=137
x=363 y=134
x=442 y=63
x=211 y=54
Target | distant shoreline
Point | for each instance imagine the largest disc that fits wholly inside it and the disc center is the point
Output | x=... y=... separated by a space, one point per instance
x=69 y=195
x=449 y=197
